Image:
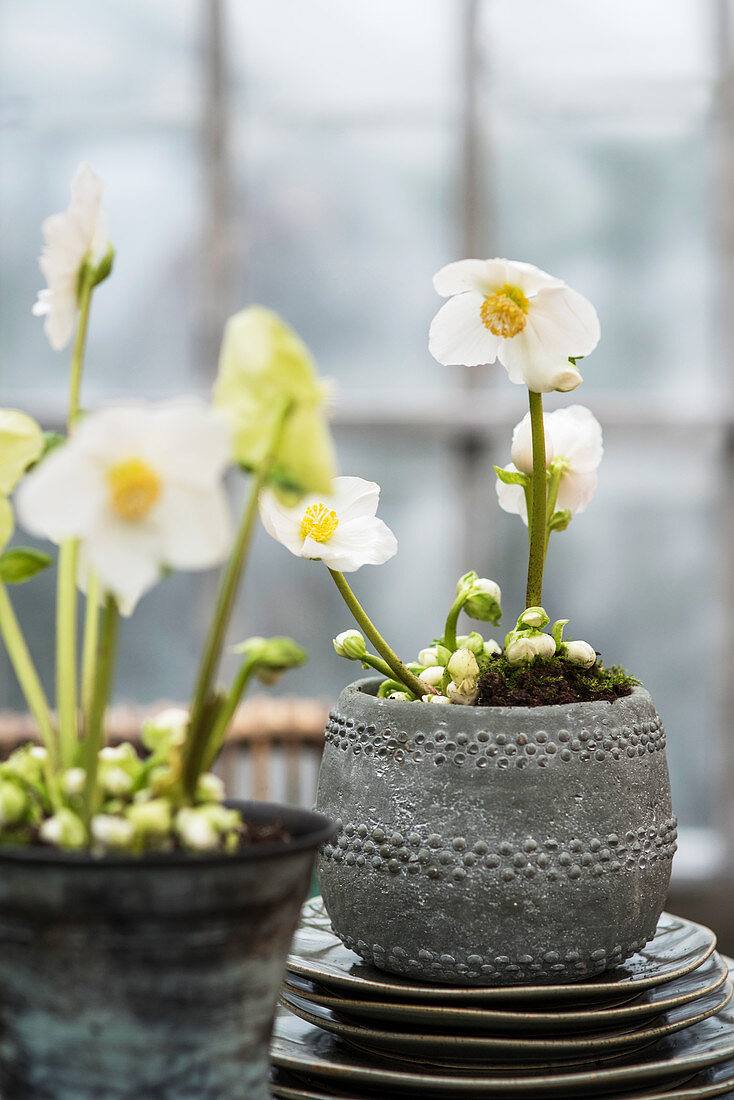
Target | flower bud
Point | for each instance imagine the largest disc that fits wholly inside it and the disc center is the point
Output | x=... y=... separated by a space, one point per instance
x=13 y=803
x=567 y=379
x=491 y=648
x=432 y=675
x=428 y=657
x=64 y=830
x=116 y=781
x=222 y=818
x=434 y=699
x=169 y=726
x=578 y=653
x=39 y=753
x=73 y=781
x=524 y=648
x=473 y=641
x=485 y=601
x=110 y=831
x=457 y=695
x=118 y=754
x=402 y=696
x=463 y=666
x=196 y=831
x=350 y=644
x=534 y=617
x=151 y=818
x=209 y=788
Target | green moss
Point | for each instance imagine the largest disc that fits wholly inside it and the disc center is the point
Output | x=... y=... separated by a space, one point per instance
x=549 y=681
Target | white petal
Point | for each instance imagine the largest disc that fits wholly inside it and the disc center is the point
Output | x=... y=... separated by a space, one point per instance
x=127 y=559
x=522 y=445
x=61 y=498
x=565 y=322
x=188 y=442
x=458 y=334
x=115 y=432
x=462 y=275
x=577 y=437
x=353 y=497
x=529 y=278
x=282 y=524
x=576 y=490
x=195 y=526
x=363 y=541
x=528 y=364
x=512 y=499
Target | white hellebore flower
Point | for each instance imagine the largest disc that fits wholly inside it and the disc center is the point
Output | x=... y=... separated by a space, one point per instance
x=79 y=232
x=141 y=487
x=341 y=530
x=525 y=648
x=514 y=312
x=573 y=444
x=579 y=653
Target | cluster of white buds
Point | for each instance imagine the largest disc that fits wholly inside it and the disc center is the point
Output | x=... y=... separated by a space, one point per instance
x=527 y=642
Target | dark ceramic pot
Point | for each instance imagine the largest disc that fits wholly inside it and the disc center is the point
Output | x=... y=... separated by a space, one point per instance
x=152 y=978
x=495 y=845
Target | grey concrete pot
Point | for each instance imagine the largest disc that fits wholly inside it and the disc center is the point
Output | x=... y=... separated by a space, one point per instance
x=495 y=845
x=147 y=979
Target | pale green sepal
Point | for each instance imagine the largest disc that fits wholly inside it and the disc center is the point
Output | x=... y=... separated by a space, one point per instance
x=560 y=520
x=512 y=477
x=557 y=631
x=21 y=444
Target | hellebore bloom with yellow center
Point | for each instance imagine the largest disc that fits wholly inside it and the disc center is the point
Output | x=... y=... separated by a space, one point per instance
x=341 y=529
x=142 y=488
x=264 y=366
x=529 y=320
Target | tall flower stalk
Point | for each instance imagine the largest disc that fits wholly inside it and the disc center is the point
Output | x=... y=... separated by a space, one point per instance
x=537 y=516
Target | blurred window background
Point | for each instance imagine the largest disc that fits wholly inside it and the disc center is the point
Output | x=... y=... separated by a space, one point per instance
x=326 y=159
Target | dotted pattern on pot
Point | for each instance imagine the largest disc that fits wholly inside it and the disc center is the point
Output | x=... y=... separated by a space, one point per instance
x=383 y=850
x=484 y=749
x=496 y=969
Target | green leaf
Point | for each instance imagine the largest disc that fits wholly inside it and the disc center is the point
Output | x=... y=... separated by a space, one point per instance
x=22 y=563
x=512 y=477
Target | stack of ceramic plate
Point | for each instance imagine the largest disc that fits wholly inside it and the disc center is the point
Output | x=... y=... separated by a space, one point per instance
x=661 y=1026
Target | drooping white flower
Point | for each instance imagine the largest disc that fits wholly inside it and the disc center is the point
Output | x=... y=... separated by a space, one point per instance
x=79 y=232
x=514 y=312
x=573 y=446
x=341 y=530
x=141 y=487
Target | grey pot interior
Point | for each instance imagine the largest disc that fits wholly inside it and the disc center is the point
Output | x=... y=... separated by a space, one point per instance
x=495 y=845
x=154 y=977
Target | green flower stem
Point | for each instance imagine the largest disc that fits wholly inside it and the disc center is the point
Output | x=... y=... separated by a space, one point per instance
x=89 y=648
x=66 y=658
x=26 y=674
x=94 y=739
x=86 y=286
x=66 y=594
x=199 y=730
x=379 y=665
x=536 y=518
x=396 y=666
x=449 y=632
x=554 y=480
x=227 y=712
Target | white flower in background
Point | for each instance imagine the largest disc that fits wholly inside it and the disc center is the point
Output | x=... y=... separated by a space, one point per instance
x=79 y=232
x=341 y=530
x=578 y=653
x=523 y=649
x=514 y=312
x=573 y=447
x=141 y=487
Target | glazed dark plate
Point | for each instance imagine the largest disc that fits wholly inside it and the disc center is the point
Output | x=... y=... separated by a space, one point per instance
x=310 y=1052
x=678 y=948
x=473 y=1047
x=705 y=980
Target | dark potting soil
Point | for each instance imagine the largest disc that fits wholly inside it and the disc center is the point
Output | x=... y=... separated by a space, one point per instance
x=548 y=682
x=269 y=833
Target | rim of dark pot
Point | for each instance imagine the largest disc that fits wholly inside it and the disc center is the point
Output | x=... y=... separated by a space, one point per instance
x=368 y=686
x=308 y=829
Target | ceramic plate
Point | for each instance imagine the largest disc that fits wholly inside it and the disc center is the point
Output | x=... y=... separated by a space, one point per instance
x=718 y=1081
x=679 y=946
x=311 y=1052
x=474 y=1047
x=709 y=977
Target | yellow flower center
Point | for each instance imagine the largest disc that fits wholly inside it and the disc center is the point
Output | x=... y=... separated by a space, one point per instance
x=504 y=313
x=319 y=523
x=134 y=489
